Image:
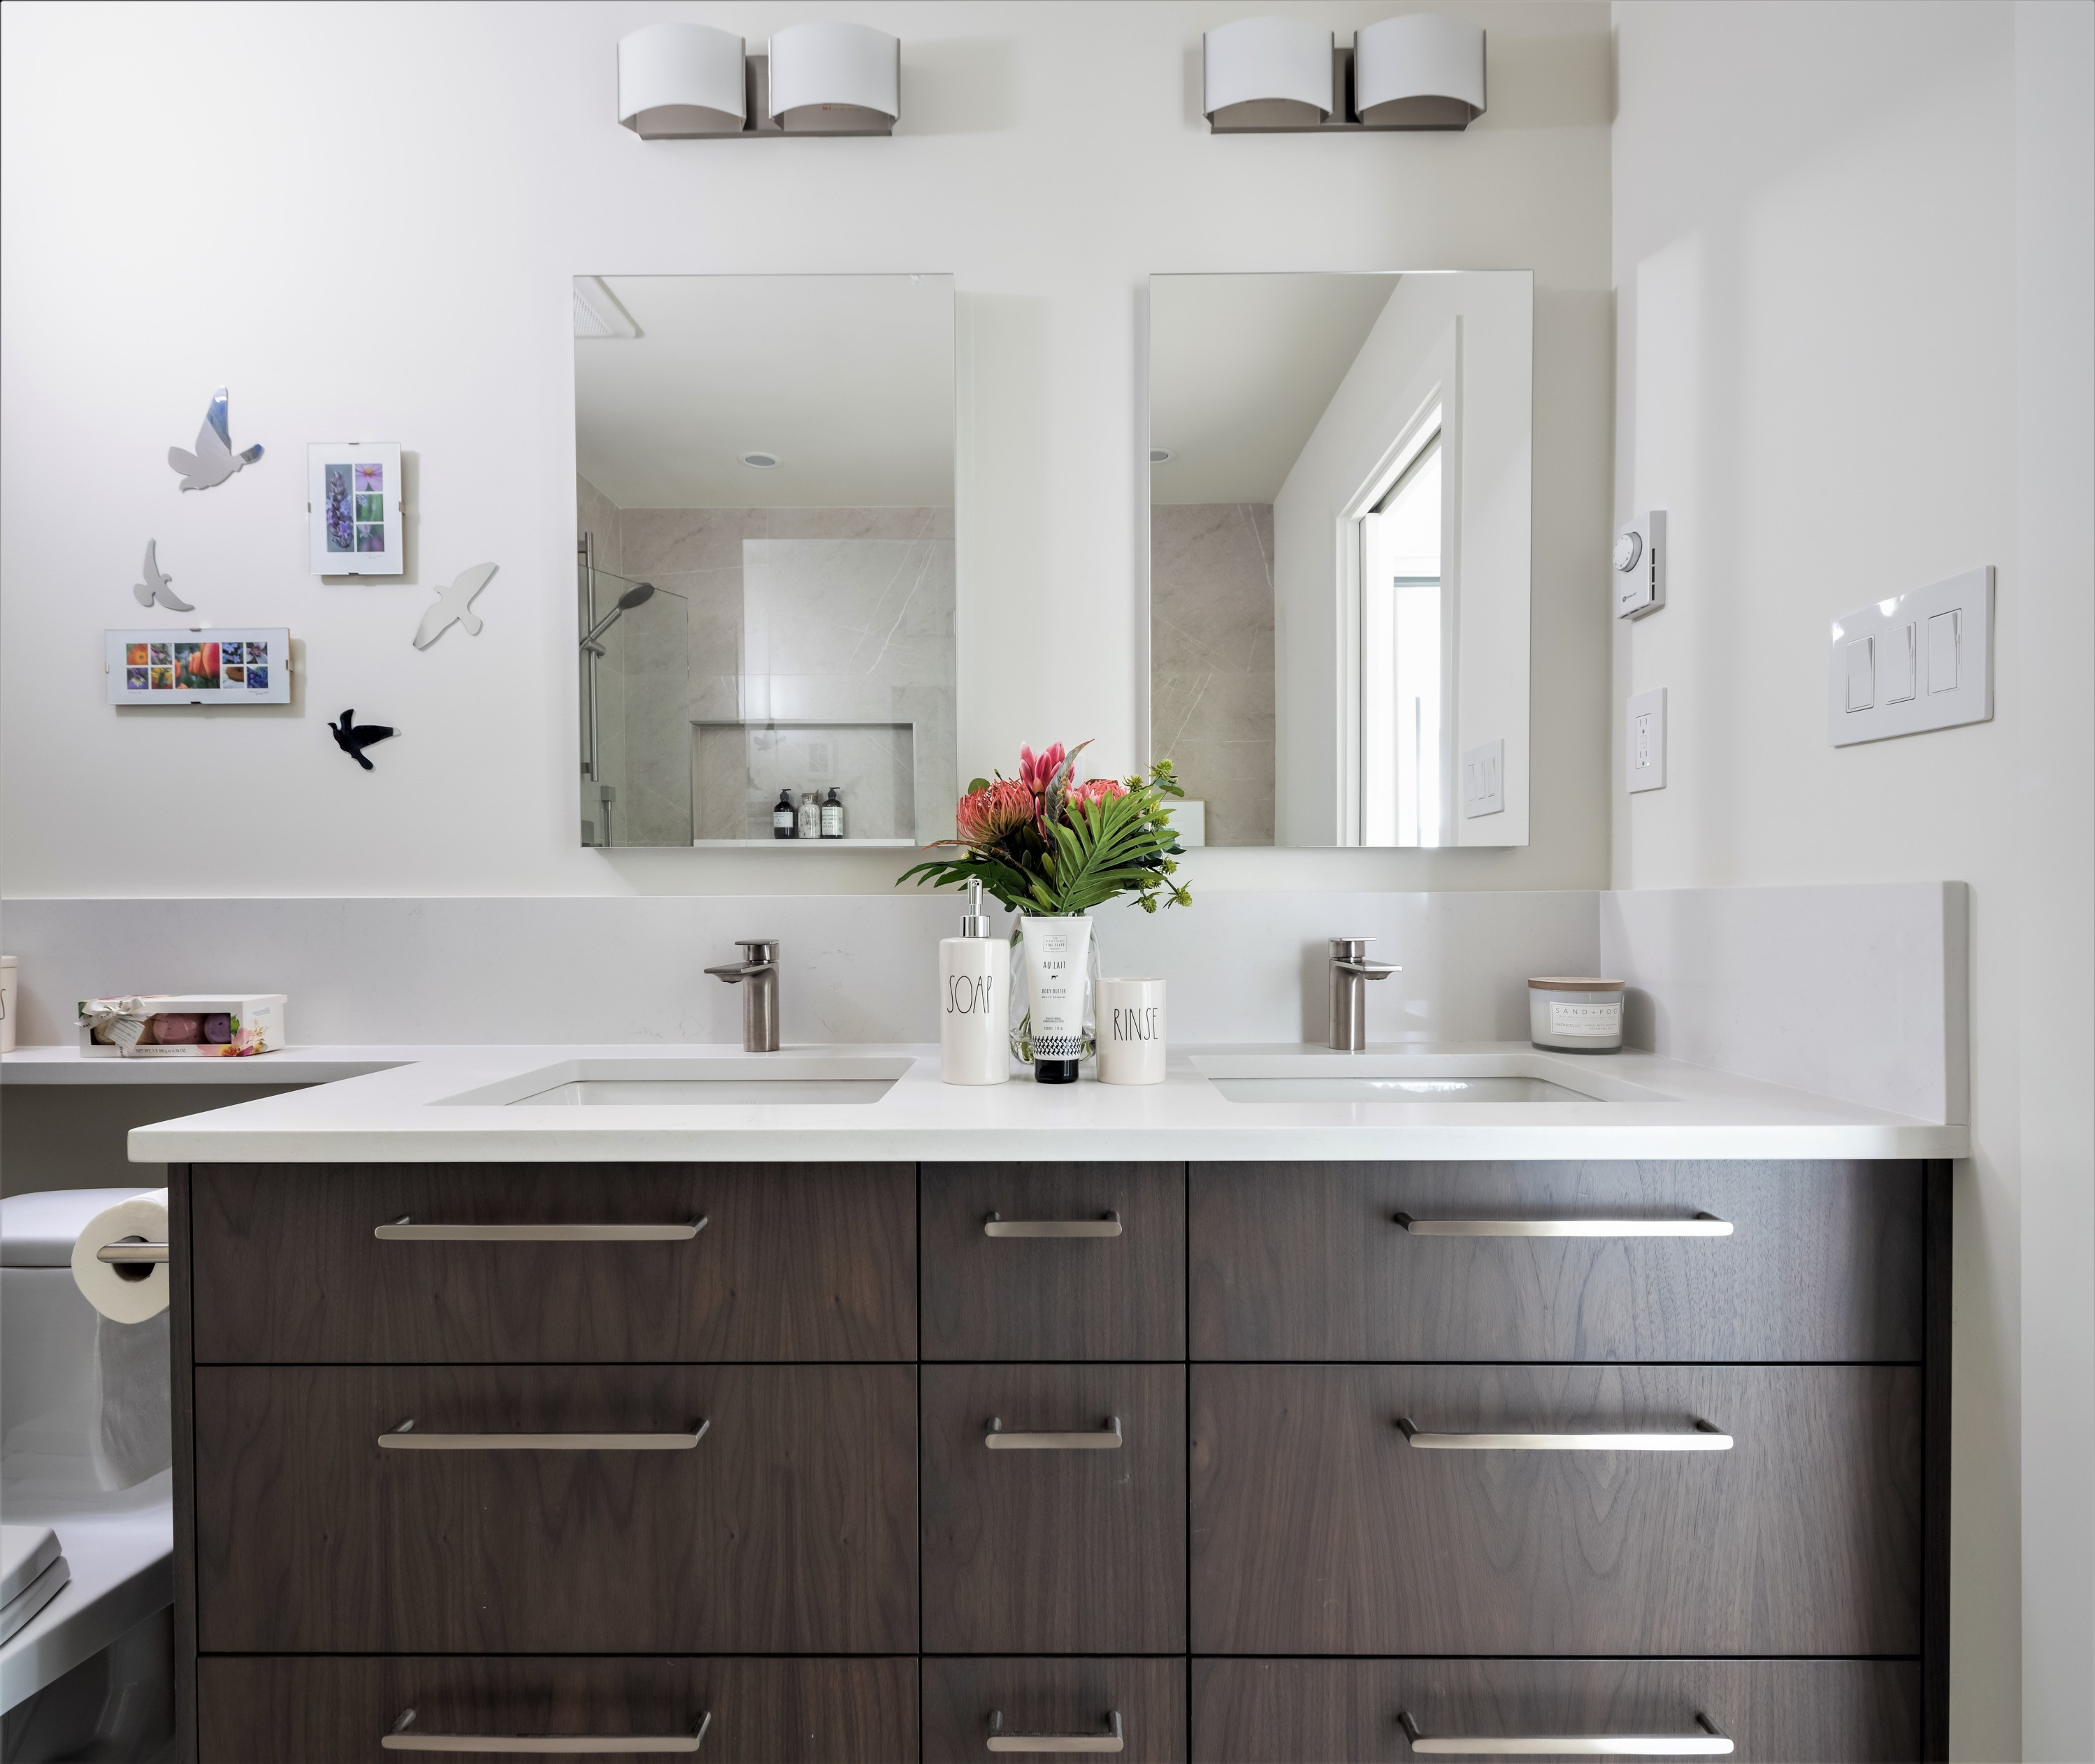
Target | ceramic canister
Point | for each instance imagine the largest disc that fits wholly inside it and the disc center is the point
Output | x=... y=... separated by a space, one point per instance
x=1130 y=1031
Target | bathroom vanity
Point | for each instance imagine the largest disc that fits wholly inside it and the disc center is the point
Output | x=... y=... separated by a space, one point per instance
x=858 y=1451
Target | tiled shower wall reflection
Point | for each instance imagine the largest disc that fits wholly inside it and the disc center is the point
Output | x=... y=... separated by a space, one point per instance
x=1211 y=660
x=837 y=616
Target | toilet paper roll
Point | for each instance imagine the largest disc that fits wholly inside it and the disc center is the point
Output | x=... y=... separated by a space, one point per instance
x=119 y=1299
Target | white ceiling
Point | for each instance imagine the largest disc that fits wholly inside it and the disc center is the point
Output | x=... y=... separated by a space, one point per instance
x=847 y=379
x=1240 y=369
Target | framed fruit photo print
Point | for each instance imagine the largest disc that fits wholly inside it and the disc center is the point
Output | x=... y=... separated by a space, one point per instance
x=198 y=664
x=353 y=508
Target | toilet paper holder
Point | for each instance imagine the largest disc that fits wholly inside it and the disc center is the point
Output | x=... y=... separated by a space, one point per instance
x=133 y=1251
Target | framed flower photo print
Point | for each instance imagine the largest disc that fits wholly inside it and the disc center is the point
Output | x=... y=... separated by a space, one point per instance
x=353 y=508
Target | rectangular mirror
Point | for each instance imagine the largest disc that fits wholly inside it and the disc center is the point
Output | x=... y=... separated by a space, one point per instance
x=1341 y=468
x=764 y=558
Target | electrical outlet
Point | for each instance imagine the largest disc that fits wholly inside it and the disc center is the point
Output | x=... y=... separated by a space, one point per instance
x=1643 y=741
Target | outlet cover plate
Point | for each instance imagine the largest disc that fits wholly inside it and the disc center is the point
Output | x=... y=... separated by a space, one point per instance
x=1643 y=741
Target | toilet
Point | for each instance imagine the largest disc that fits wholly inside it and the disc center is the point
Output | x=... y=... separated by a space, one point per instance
x=91 y=1673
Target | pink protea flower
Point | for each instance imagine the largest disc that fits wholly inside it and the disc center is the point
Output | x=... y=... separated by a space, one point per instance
x=1035 y=771
x=1097 y=790
x=987 y=815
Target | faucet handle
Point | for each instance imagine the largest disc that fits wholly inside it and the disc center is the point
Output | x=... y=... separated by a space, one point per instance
x=758 y=948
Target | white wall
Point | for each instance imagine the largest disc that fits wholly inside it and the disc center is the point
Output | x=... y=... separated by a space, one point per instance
x=364 y=222
x=1852 y=360
x=1489 y=424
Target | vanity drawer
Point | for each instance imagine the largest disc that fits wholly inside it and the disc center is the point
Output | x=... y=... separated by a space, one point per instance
x=796 y=1262
x=1029 y=1292
x=324 y=1711
x=788 y=1528
x=1073 y=1549
x=1314 y=1711
x=1062 y=1698
x=1319 y=1527
x=1311 y=1261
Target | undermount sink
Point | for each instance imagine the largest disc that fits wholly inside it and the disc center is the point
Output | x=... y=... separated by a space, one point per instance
x=760 y=1080
x=1316 y=1075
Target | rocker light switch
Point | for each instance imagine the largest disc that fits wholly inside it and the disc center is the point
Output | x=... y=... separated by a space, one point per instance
x=1922 y=660
x=1942 y=634
x=1862 y=675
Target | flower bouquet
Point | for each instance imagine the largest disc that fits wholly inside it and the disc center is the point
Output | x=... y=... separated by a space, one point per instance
x=1048 y=846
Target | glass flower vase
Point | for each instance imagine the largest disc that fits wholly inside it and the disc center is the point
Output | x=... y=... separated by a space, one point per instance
x=1021 y=995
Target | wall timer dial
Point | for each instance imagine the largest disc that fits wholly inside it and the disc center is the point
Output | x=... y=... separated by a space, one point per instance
x=1640 y=566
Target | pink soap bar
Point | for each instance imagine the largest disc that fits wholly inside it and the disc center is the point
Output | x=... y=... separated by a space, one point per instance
x=173 y=1028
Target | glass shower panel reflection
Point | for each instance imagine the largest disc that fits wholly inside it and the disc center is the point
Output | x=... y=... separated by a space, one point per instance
x=1406 y=661
x=635 y=692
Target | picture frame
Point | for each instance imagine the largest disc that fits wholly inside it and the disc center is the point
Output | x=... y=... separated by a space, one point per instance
x=197 y=664
x=354 y=506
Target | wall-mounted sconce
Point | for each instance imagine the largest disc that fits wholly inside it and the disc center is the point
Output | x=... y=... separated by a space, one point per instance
x=1420 y=70
x=682 y=82
x=1416 y=71
x=1270 y=76
x=831 y=79
x=678 y=81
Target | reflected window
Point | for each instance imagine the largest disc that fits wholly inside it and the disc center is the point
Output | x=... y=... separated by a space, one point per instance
x=1403 y=700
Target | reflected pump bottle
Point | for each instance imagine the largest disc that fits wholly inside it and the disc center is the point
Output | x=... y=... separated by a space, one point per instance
x=783 y=815
x=974 y=1001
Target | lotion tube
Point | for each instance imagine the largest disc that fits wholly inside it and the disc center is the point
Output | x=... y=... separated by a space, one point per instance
x=1057 y=972
x=974 y=1001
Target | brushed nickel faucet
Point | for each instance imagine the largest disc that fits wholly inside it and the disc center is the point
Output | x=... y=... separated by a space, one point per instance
x=1348 y=973
x=760 y=1004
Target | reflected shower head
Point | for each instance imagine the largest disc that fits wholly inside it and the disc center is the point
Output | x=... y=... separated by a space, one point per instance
x=632 y=597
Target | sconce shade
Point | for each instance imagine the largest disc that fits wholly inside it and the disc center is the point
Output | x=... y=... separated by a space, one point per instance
x=828 y=78
x=1420 y=70
x=1269 y=73
x=676 y=81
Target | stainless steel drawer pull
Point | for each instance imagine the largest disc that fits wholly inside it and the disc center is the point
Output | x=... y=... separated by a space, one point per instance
x=1704 y=1438
x=404 y=1230
x=1702 y=1225
x=1001 y=1741
x=997 y=1225
x=403 y=1738
x=121 y=1253
x=1106 y=1439
x=1711 y=1742
x=403 y=1438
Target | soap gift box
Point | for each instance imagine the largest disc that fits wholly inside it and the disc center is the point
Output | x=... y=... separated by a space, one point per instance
x=249 y=1023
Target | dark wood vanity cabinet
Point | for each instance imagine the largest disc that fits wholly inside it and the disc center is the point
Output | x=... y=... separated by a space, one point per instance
x=891 y=1461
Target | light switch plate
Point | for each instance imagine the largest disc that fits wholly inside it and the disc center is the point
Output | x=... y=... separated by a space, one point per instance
x=1929 y=662
x=1643 y=741
x=1641 y=565
x=1483 y=779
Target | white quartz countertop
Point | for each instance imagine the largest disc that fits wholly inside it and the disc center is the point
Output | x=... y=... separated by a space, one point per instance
x=396 y=1104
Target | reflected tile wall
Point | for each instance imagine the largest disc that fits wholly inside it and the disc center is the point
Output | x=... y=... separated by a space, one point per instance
x=1211 y=660
x=814 y=615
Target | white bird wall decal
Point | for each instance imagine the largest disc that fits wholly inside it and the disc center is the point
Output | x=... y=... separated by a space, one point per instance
x=154 y=588
x=454 y=606
x=214 y=460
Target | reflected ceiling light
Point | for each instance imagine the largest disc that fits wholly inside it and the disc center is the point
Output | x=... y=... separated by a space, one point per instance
x=1158 y=455
x=763 y=462
x=834 y=79
x=679 y=80
x=1262 y=75
x=1421 y=71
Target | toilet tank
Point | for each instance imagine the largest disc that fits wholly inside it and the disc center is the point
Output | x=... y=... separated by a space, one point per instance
x=49 y=1420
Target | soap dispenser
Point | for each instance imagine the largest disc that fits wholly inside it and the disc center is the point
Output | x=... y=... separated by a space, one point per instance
x=784 y=816
x=974 y=1001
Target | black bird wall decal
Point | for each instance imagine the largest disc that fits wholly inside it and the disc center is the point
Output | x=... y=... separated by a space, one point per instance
x=353 y=737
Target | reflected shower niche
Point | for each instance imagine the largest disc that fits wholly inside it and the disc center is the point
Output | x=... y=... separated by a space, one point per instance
x=755 y=618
